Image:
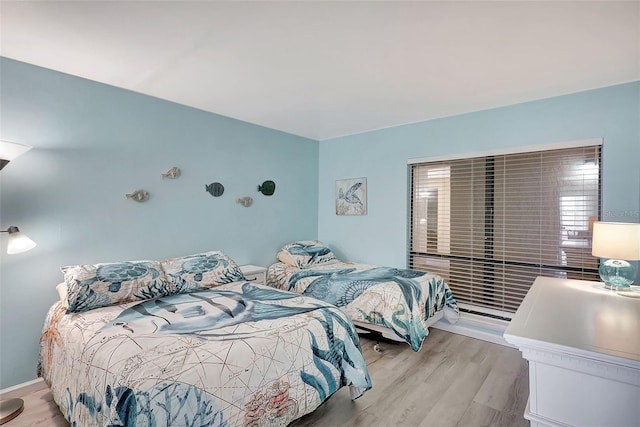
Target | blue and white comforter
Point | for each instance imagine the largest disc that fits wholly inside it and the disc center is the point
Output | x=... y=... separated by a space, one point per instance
x=235 y=355
x=401 y=300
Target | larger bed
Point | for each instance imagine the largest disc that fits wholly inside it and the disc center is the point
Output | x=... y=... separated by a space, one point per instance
x=400 y=304
x=236 y=354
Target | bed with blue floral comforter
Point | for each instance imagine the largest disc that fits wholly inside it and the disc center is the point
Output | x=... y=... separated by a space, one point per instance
x=402 y=300
x=234 y=355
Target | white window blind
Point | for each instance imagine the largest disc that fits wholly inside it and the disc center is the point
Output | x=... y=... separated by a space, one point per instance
x=489 y=225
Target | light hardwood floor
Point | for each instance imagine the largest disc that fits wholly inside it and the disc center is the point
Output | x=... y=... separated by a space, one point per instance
x=452 y=381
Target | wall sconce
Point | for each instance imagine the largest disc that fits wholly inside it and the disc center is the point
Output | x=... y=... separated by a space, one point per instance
x=17 y=241
x=9 y=151
x=620 y=242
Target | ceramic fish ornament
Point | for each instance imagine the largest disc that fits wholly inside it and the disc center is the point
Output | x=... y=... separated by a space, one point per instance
x=138 y=196
x=267 y=188
x=245 y=201
x=172 y=173
x=215 y=189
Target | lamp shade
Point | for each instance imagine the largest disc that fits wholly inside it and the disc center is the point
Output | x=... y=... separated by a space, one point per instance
x=617 y=240
x=11 y=150
x=18 y=242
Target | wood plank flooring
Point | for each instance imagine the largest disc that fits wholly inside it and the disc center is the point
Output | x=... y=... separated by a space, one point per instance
x=452 y=381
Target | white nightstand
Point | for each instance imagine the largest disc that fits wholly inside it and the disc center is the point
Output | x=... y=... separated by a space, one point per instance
x=255 y=274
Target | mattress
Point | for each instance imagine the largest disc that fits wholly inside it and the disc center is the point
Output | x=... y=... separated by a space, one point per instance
x=237 y=354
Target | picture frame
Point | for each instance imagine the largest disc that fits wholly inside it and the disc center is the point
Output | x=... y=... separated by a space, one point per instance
x=351 y=196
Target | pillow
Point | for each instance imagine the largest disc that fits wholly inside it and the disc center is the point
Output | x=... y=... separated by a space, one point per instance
x=305 y=253
x=62 y=293
x=91 y=286
x=205 y=270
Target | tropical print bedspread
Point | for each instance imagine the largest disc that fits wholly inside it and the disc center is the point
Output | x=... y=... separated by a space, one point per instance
x=236 y=355
x=401 y=300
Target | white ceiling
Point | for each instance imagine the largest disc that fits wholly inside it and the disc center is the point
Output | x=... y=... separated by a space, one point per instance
x=326 y=69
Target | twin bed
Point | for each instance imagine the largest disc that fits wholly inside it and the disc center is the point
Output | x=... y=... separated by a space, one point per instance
x=188 y=341
x=399 y=304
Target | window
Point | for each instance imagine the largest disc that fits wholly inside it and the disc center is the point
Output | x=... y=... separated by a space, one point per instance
x=490 y=224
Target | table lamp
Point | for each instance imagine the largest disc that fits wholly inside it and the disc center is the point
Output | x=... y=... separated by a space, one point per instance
x=620 y=243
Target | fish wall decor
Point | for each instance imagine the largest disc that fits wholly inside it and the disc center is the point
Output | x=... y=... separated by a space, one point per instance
x=267 y=188
x=215 y=189
x=245 y=201
x=138 y=196
x=172 y=173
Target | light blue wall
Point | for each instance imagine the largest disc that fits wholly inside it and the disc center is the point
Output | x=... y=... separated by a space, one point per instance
x=381 y=156
x=94 y=143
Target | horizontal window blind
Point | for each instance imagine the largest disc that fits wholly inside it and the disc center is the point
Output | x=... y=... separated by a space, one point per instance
x=490 y=225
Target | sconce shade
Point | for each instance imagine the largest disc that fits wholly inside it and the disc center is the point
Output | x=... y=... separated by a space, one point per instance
x=11 y=150
x=18 y=242
x=617 y=240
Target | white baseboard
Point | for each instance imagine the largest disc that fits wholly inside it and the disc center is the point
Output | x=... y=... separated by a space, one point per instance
x=22 y=389
x=479 y=327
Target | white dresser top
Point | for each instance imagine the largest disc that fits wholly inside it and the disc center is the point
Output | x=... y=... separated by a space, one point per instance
x=578 y=316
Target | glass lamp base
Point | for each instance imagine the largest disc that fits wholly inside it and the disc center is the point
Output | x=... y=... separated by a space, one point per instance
x=616 y=273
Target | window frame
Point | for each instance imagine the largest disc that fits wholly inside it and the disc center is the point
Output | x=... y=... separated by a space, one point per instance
x=488 y=311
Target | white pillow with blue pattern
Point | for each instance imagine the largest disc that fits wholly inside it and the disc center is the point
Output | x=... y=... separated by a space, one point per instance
x=305 y=253
x=204 y=270
x=92 y=286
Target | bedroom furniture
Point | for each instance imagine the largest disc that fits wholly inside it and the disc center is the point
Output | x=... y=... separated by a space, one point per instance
x=384 y=332
x=502 y=389
x=254 y=273
x=400 y=304
x=189 y=341
x=620 y=242
x=582 y=342
x=17 y=242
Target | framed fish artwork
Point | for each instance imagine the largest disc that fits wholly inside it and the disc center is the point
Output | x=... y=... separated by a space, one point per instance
x=351 y=196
